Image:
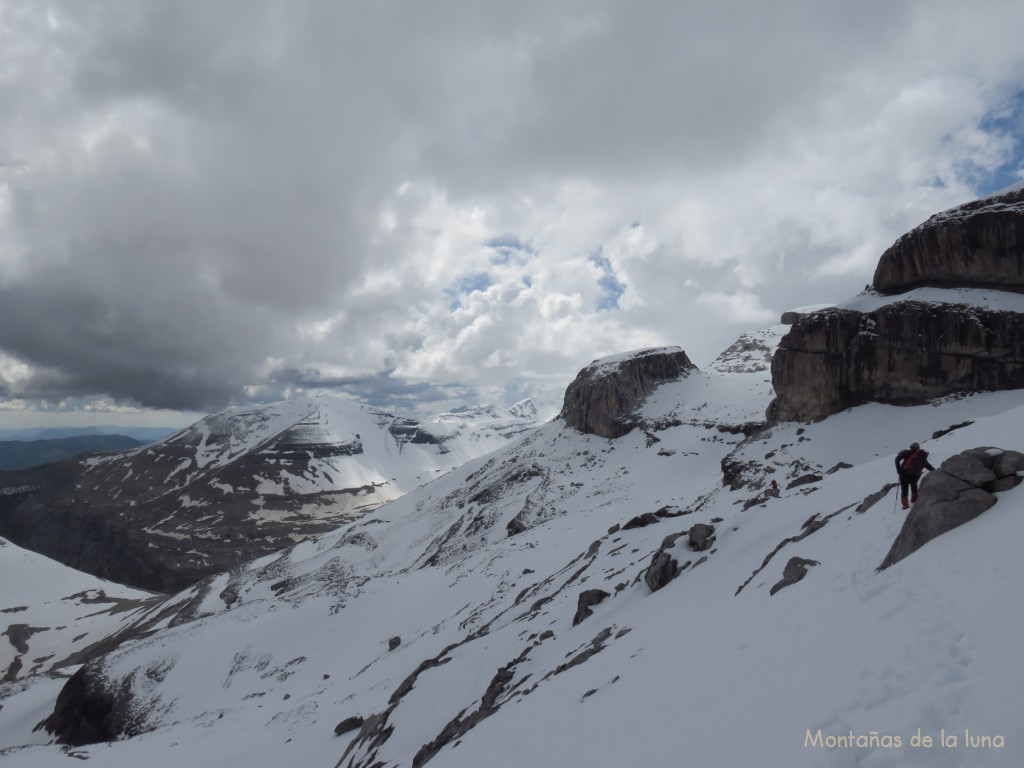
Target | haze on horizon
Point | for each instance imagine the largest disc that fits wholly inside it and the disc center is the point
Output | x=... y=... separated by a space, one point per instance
x=425 y=205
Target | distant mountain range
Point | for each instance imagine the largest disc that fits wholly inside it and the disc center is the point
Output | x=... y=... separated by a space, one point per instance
x=21 y=454
x=142 y=434
x=238 y=484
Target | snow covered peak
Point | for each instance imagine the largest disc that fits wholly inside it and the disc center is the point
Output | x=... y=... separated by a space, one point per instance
x=751 y=353
x=525 y=409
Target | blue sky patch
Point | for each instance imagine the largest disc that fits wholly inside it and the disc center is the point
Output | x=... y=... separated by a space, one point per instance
x=465 y=285
x=611 y=287
x=1009 y=120
x=508 y=248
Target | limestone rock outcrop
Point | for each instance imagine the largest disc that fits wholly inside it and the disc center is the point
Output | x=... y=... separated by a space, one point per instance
x=914 y=348
x=605 y=394
x=902 y=353
x=980 y=244
x=962 y=488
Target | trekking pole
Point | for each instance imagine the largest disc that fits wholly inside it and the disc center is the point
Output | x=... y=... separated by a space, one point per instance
x=895 y=499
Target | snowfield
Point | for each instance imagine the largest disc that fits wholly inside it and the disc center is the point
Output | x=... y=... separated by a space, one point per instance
x=847 y=667
x=983 y=298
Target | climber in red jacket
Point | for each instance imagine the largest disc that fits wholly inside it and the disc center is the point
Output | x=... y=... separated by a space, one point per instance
x=910 y=463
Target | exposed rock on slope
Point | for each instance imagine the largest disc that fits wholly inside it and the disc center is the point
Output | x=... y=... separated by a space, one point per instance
x=87 y=711
x=978 y=244
x=604 y=395
x=960 y=490
x=794 y=571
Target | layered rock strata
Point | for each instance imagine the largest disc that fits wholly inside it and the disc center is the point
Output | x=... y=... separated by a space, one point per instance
x=903 y=354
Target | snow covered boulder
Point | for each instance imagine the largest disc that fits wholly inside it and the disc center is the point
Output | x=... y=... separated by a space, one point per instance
x=961 y=489
x=603 y=396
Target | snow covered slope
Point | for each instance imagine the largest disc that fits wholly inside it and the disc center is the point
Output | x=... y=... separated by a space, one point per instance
x=50 y=613
x=241 y=483
x=462 y=645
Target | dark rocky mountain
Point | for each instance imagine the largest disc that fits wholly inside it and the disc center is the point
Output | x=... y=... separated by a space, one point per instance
x=236 y=485
x=20 y=454
x=944 y=315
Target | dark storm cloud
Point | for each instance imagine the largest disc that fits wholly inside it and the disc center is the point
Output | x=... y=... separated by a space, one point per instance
x=139 y=346
x=383 y=390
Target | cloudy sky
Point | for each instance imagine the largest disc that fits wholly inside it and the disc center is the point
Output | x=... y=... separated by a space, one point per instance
x=422 y=204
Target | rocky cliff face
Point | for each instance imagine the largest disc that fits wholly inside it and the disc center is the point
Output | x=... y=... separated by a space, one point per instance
x=978 y=244
x=902 y=353
x=603 y=396
x=961 y=333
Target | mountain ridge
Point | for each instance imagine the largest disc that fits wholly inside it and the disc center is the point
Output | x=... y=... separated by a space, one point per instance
x=238 y=484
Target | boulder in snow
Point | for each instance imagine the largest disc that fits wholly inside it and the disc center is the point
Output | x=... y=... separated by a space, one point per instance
x=588 y=598
x=961 y=489
x=794 y=571
x=663 y=567
x=702 y=537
